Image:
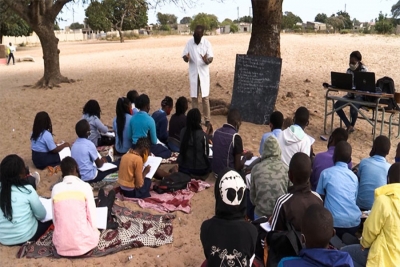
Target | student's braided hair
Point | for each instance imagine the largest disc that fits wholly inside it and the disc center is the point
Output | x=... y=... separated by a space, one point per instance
x=143 y=142
x=167 y=102
x=41 y=123
x=11 y=169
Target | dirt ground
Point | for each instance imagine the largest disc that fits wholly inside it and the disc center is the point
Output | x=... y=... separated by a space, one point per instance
x=107 y=70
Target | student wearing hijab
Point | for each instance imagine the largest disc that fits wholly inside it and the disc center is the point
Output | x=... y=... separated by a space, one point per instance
x=227 y=239
x=355 y=65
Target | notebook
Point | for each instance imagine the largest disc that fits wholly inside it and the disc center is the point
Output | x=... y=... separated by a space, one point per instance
x=365 y=81
x=341 y=80
x=154 y=163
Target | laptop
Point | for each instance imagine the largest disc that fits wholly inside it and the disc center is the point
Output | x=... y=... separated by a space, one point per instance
x=341 y=80
x=365 y=81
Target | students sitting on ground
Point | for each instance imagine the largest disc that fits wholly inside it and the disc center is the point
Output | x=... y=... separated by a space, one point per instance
x=123 y=141
x=291 y=207
x=355 y=65
x=379 y=245
x=275 y=124
x=228 y=145
x=177 y=123
x=87 y=157
x=44 y=149
x=160 y=118
x=74 y=211
x=132 y=176
x=324 y=160
x=227 y=239
x=132 y=95
x=143 y=125
x=294 y=139
x=21 y=209
x=338 y=187
x=372 y=172
x=269 y=179
x=317 y=229
x=194 y=151
x=91 y=113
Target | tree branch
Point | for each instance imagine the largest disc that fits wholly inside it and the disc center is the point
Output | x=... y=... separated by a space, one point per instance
x=20 y=8
x=56 y=8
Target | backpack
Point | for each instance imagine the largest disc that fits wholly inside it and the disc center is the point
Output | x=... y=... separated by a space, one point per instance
x=386 y=84
x=176 y=181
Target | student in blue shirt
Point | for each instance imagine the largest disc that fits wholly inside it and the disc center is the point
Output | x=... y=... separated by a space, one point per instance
x=338 y=186
x=123 y=141
x=86 y=156
x=373 y=172
x=317 y=229
x=143 y=125
x=91 y=113
x=21 y=209
x=275 y=124
x=160 y=118
x=44 y=149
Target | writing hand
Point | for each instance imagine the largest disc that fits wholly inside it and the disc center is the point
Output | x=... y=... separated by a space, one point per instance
x=147 y=169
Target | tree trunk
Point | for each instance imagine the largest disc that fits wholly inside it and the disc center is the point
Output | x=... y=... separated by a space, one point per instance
x=121 y=36
x=51 y=57
x=265 y=34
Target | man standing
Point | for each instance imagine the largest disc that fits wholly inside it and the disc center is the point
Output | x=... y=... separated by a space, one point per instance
x=11 y=48
x=198 y=52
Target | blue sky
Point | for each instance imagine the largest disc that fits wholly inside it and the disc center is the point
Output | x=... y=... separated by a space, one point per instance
x=363 y=10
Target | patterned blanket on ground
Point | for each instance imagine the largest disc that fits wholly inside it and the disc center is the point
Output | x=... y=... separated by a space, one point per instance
x=136 y=229
x=169 y=202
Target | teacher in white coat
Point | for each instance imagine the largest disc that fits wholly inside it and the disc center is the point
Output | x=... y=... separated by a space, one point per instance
x=198 y=52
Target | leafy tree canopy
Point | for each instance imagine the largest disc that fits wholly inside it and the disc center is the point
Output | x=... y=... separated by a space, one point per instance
x=11 y=24
x=76 y=26
x=186 y=20
x=209 y=21
x=289 y=20
x=321 y=17
x=166 y=19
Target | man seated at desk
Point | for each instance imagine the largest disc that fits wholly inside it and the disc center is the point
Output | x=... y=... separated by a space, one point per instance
x=355 y=65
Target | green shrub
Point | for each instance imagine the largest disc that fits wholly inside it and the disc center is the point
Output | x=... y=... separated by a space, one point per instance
x=344 y=31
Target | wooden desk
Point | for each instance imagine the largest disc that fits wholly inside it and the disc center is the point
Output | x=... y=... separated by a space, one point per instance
x=351 y=102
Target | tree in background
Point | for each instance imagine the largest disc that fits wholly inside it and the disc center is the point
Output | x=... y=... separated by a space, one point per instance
x=166 y=19
x=56 y=26
x=245 y=19
x=11 y=24
x=185 y=20
x=209 y=21
x=289 y=20
x=97 y=17
x=76 y=26
x=321 y=17
x=336 y=22
x=265 y=35
x=233 y=27
x=396 y=10
x=118 y=14
x=348 y=23
x=383 y=25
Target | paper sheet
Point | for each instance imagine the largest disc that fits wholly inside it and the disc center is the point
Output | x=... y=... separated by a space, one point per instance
x=65 y=152
x=266 y=226
x=250 y=161
x=107 y=166
x=154 y=163
x=48 y=205
x=161 y=143
x=210 y=152
x=101 y=217
x=109 y=134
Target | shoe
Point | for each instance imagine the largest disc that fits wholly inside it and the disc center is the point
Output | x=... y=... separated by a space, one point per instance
x=36 y=175
x=350 y=129
x=111 y=154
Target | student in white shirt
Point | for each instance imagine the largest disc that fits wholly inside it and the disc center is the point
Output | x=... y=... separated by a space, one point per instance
x=12 y=50
x=198 y=52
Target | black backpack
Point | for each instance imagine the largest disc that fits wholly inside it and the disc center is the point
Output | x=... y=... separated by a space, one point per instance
x=176 y=181
x=387 y=86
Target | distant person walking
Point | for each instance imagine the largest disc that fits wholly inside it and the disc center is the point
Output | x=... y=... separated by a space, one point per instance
x=198 y=52
x=12 y=49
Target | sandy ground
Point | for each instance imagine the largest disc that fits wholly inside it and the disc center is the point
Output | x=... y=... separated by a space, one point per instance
x=107 y=70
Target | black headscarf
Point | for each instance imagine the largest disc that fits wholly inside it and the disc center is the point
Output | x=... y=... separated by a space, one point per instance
x=230 y=203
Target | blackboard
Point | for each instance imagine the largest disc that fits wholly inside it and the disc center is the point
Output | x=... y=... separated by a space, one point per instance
x=255 y=87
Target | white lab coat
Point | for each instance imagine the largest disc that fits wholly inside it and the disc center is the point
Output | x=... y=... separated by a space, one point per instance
x=197 y=67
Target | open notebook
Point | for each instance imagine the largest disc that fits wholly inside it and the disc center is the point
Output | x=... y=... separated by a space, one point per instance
x=101 y=213
x=154 y=163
